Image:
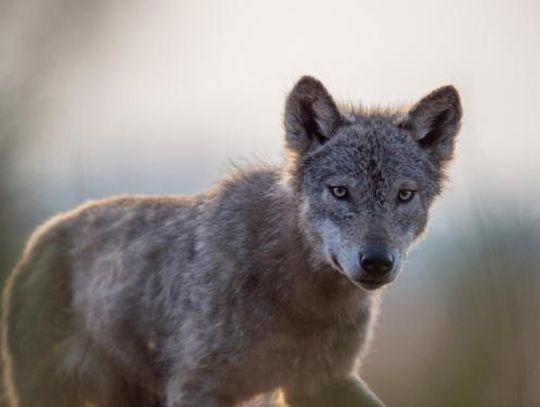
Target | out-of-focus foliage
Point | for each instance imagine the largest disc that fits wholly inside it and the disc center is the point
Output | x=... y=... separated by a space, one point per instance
x=34 y=39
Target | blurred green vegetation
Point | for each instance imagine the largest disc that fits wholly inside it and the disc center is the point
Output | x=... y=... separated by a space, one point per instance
x=34 y=38
x=492 y=296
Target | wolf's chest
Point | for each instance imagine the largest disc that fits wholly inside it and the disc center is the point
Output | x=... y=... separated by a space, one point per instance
x=290 y=354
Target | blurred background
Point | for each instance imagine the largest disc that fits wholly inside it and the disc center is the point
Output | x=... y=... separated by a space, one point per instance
x=110 y=97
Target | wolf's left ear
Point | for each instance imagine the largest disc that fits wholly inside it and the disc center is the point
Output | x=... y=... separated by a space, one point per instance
x=311 y=115
x=435 y=121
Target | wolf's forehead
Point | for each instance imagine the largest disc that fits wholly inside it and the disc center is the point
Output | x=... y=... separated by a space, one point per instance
x=369 y=154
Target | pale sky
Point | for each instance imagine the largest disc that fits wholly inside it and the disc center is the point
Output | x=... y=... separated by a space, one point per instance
x=169 y=92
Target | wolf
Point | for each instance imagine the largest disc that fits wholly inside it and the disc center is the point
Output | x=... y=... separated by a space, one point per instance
x=269 y=280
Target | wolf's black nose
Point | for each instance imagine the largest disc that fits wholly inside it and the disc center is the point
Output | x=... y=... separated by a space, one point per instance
x=377 y=261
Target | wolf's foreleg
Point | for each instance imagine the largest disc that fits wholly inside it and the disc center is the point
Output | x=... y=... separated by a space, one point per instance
x=346 y=392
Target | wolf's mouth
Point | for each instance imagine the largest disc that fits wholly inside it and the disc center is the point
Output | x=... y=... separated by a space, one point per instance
x=336 y=263
x=365 y=283
x=370 y=284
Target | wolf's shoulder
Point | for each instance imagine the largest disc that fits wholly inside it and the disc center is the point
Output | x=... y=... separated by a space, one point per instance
x=259 y=176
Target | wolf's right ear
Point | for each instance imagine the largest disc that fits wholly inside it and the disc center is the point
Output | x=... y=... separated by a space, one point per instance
x=311 y=115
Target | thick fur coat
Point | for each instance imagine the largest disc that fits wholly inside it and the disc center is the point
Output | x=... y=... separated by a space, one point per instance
x=270 y=280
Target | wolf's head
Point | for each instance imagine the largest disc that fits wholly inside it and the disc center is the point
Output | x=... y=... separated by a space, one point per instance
x=365 y=180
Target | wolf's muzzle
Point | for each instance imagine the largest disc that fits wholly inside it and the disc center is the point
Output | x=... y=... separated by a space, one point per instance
x=377 y=262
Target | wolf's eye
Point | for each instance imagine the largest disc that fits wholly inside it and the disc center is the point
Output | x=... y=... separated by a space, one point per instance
x=339 y=192
x=405 y=195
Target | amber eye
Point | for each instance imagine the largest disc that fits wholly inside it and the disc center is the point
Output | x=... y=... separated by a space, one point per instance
x=405 y=195
x=339 y=192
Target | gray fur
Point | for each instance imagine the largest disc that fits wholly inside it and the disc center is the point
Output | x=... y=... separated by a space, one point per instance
x=252 y=286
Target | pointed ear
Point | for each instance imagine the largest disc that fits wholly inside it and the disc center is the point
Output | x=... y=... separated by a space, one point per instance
x=435 y=121
x=311 y=115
